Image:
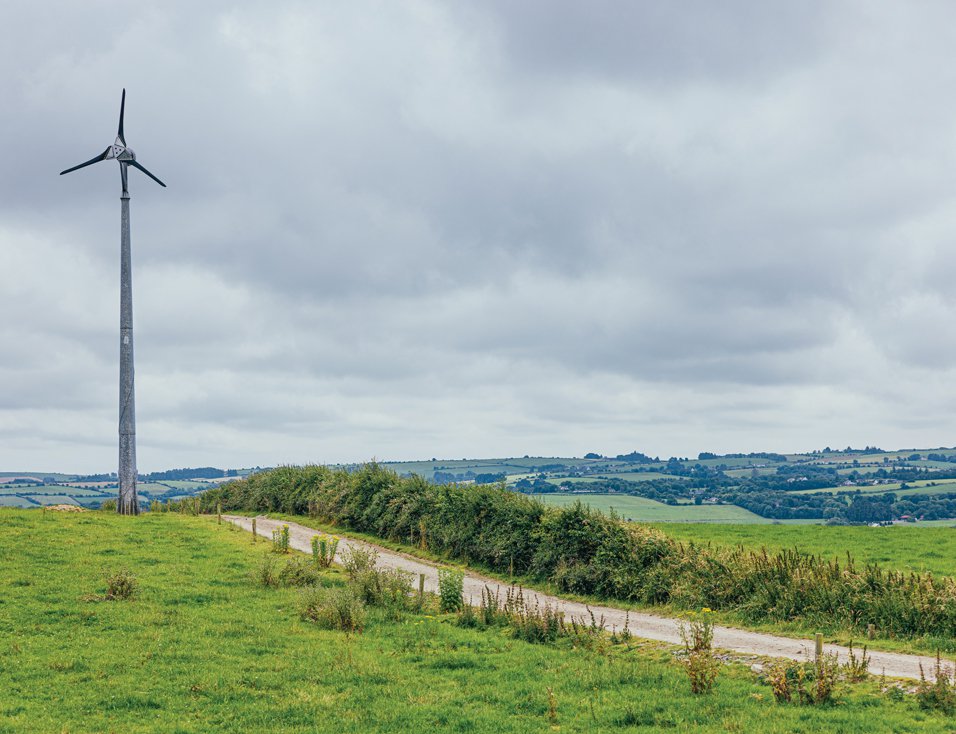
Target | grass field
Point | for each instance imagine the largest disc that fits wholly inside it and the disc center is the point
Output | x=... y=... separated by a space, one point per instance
x=640 y=509
x=203 y=649
x=633 y=476
x=922 y=486
x=905 y=548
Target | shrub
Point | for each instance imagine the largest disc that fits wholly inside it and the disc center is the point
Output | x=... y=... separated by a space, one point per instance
x=856 y=668
x=266 y=572
x=396 y=589
x=389 y=588
x=539 y=624
x=490 y=611
x=697 y=634
x=939 y=695
x=335 y=608
x=108 y=506
x=467 y=616
x=450 y=585
x=358 y=560
x=323 y=550
x=809 y=683
x=121 y=586
x=280 y=540
x=297 y=571
x=818 y=683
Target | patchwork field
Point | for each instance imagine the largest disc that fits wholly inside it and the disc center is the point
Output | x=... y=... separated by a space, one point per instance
x=640 y=509
x=204 y=649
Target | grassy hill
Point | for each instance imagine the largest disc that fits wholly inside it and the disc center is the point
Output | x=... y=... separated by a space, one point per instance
x=204 y=649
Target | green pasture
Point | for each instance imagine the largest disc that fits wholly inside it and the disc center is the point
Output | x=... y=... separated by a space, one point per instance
x=640 y=509
x=53 y=499
x=183 y=484
x=921 y=486
x=76 y=491
x=13 y=501
x=631 y=476
x=204 y=649
x=901 y=547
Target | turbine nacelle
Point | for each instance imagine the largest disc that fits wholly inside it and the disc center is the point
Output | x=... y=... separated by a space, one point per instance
x=118 y=151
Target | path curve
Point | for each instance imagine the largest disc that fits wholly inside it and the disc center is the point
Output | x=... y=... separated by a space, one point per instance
x=648 y=626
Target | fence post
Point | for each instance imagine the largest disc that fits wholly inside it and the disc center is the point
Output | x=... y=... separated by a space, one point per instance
x=871 y=631
x=818 y=646
x=219 y=513
x=254 y=538
x=421 y=587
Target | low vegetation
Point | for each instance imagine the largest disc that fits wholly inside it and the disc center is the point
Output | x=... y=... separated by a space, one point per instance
x=582 y=551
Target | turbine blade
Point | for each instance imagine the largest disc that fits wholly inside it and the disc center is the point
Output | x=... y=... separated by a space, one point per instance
x=91 y=161
x=134 y=164
x=119 y=132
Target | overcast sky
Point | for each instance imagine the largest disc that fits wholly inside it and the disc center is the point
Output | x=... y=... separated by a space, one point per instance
x=457 y=229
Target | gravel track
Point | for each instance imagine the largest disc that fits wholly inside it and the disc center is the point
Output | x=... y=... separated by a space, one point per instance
x=648 y=626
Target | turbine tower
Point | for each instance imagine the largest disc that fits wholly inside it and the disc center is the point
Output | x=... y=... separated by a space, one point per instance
x=126 y=503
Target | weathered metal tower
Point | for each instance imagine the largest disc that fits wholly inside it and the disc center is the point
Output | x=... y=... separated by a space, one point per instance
x=126 y=502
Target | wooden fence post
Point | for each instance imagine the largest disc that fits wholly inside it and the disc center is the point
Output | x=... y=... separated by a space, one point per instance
x=871 y=631
x=421 y=587
x=219 y=513
x=818 y=646
x=254 y=538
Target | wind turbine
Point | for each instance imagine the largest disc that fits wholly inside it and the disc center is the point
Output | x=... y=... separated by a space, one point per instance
x=126 y=503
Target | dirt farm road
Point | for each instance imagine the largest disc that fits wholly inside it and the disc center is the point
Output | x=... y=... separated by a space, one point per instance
x=648 y=626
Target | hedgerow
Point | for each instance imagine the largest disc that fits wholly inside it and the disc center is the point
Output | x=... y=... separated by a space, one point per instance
x=586 y=552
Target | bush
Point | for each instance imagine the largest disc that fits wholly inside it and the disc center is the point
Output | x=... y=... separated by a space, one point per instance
x=266 y=572
x=297 y=571
x=356 y=561
x=323 y=550
x=697 y=634
x=450 y=585
x=809 y=683
x=939 y=695
x=121 y=586
x=389 y=588
x=108 y=506
x=335 y=608
x=856 y=669
x=280 y=540
x=533 y=623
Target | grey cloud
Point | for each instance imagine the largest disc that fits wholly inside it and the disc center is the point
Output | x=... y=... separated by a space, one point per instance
x=458 y=229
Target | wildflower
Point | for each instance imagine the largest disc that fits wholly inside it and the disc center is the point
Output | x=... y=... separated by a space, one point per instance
x=706 y=610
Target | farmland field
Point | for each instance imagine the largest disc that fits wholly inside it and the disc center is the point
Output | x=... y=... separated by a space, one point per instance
x=643 y=476
x=905 y=548
x=204 y=649
x=921 y=486
x=640 y=509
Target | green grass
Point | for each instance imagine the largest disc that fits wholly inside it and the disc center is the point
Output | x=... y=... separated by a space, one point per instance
x=641 y=509
x=901 y=547
x=921 y=486
x=183 y=484
x=644 y=476
x=11 y=501
x=53 y=499
x=204 y=650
